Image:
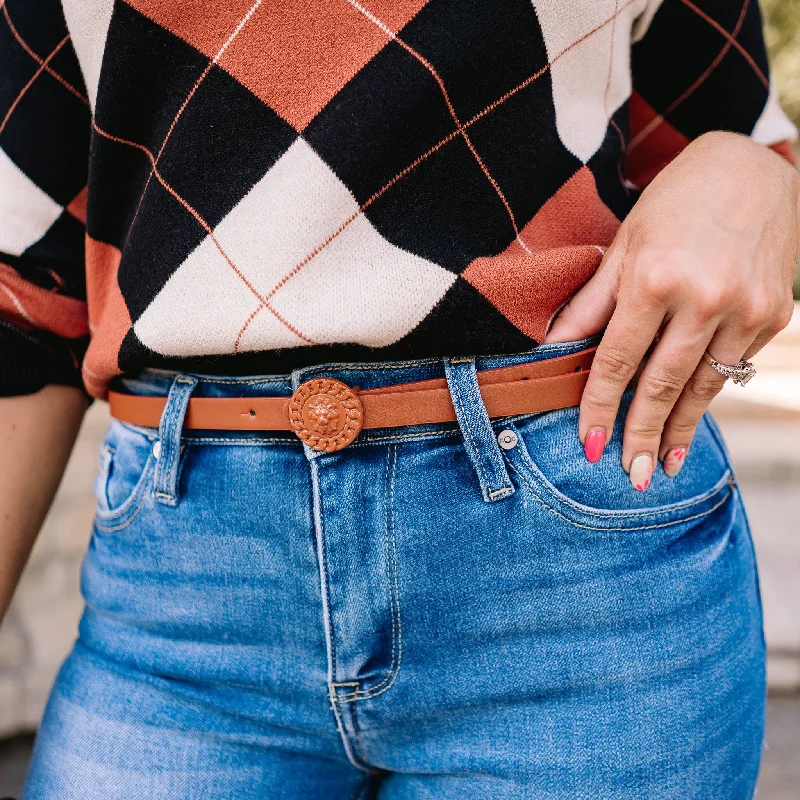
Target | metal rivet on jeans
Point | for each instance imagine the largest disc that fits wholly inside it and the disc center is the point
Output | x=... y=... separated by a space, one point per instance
x=507 y=439
x=157 y=449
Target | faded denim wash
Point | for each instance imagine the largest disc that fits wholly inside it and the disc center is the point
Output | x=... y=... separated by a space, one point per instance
x=423 y=614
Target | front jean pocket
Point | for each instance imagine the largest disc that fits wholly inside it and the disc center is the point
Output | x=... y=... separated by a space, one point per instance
x=127 y=461
x=550 y=465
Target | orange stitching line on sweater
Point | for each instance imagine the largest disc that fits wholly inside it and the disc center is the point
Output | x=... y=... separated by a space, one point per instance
x=611 y=58
x=203 y=224
x=460 y=130
x=48 y=69
x=319 y=248
x=236 y=31
x=656 y=122
x=449 y=138
x=745 y=55
x=244 y=327
x=614 y=125
x=451 y=109
x=24 y=90
x=414 y=164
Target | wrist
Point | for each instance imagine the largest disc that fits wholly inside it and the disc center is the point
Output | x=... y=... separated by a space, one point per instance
x=737 y=151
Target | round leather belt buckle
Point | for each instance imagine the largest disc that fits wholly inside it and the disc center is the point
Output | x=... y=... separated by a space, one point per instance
x=326 y=414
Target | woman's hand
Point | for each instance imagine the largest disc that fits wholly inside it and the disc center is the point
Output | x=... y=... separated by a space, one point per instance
x=706 y=259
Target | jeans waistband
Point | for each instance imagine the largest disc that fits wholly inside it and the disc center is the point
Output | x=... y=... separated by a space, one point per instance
x=480 y=438
x=153 y=381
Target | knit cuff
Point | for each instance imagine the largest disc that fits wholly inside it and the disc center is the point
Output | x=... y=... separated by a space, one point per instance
x=29 y=361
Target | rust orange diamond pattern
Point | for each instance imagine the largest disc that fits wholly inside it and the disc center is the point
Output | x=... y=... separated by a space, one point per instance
x=292 y=60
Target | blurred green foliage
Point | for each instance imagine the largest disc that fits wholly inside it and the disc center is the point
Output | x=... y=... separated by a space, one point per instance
x=782 y=30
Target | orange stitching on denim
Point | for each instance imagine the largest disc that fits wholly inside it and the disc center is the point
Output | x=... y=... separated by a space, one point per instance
x=345 y=734
x=455 y=394
x=131 y=506
x=386 y=512
x=122 y=526
x=610 y=514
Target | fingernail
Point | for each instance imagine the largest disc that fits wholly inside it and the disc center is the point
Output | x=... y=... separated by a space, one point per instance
x=673 y=461
x=594 y=445
x=641 y=471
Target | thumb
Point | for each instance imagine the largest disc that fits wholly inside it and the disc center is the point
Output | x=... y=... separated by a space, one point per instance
x=591 y=307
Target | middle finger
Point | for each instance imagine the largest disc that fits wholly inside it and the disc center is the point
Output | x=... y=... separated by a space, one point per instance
x=671 y=364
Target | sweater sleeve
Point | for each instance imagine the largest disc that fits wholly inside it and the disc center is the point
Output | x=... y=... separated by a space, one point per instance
x=698 y=66
x=44 y=145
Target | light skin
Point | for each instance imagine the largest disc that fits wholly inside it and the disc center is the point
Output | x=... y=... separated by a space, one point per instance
x=704 y=261
x=706 y=257
x=37 y=432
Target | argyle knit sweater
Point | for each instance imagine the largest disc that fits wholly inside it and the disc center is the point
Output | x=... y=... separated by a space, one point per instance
x=248 y=186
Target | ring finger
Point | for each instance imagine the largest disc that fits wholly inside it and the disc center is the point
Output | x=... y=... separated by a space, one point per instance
x=728 y=347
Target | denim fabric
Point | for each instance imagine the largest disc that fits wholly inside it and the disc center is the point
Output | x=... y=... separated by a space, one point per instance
x=363 y=624
x=478 y=435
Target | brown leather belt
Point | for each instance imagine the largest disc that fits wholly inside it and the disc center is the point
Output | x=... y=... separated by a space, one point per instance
x=328 y=415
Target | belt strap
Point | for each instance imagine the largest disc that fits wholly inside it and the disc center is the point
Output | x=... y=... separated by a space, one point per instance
x=506 y=391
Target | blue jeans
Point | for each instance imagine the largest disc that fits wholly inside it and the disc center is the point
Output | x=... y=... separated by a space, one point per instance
x=424 y=614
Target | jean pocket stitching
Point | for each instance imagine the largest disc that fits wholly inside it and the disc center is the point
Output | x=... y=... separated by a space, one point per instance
x=105 y=459
x=654 y=526
x=611 y=514
x=129 y=508
x=122 y=525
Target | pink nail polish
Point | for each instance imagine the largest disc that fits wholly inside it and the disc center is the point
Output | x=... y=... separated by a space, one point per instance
x=594 y=445
x=641 y=471
x=673 y=460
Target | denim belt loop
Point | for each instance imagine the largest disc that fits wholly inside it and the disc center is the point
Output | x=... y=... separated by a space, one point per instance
x=479 y=437
x=301 y=375
x=169 y=440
